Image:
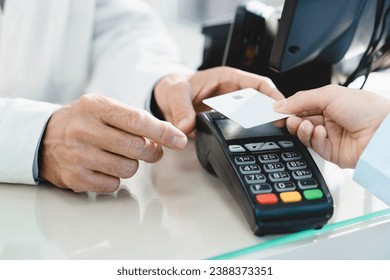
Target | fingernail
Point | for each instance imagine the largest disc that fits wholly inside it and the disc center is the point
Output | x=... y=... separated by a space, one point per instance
x=279 y=104
x=183 y=124
x=179 y=142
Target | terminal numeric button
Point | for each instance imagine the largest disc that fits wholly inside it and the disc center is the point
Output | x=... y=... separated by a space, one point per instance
x=273 y=167
x=268 y=158
x=244 y=160
x=302 y=174
x=296 y=164
x=236 y=149
x=279 y=177
x=255 y=178
x=250 y=169
x=260 y=188
x=284 y=186
x=291 y=156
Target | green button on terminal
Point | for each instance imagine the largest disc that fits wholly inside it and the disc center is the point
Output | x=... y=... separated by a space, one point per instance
x=313 y=194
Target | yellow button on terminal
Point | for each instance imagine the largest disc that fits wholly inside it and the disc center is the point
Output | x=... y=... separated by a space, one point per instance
x=288 y=197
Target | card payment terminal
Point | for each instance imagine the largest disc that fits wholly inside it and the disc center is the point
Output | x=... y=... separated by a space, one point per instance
x=268 y=171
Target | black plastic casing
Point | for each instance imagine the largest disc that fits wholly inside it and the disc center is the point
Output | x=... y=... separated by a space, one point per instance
x=213 y=154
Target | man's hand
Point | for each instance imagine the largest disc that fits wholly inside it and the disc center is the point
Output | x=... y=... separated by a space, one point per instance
x=180 y=96
x=93 y=142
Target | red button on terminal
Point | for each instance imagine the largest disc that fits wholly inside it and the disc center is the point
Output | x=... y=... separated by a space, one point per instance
x=265 y=199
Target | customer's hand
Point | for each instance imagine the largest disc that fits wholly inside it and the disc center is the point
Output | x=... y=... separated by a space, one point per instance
x=91 y=143
x=180 y=96
x=335 y=121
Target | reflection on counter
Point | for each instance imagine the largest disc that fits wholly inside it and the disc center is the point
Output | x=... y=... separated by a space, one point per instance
x=170 y=210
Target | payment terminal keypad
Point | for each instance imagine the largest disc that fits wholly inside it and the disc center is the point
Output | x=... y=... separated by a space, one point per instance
x=275 y=172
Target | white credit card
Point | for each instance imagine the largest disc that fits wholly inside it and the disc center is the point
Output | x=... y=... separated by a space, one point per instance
x=247 y=107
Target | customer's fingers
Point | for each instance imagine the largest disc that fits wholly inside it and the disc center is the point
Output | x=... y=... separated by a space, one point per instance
x=304 y=101
x=320 y=143
x=293 y=123
x=305 y=132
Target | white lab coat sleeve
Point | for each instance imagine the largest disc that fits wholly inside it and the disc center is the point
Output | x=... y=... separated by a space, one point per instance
x=132 y=50
x=373 y=167
x=22 y=123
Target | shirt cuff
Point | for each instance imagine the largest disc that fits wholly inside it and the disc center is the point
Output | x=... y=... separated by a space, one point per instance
x=372 y=169
x=24 y=121
x=37 y=156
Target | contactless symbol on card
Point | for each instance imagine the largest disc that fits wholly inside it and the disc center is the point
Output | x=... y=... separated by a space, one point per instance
x=247 y=107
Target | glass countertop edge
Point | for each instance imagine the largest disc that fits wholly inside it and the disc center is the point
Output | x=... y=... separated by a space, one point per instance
x=294 y=237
